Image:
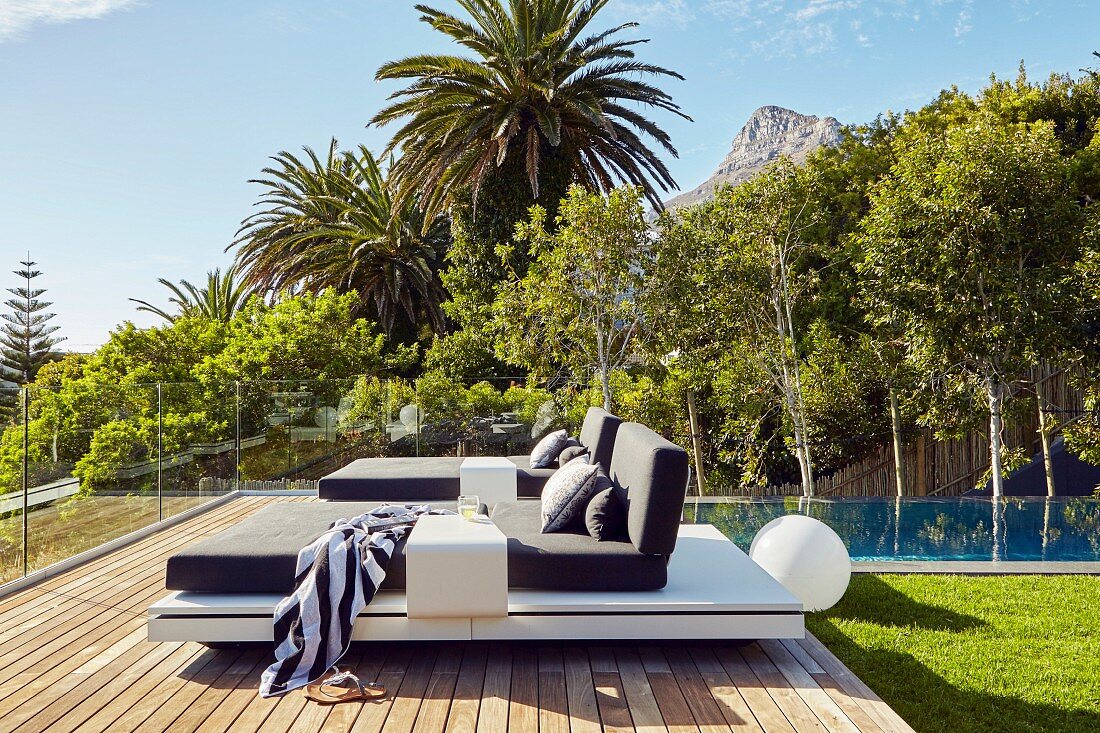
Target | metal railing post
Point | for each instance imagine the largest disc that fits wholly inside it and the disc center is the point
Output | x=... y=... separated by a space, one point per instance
x=26 y=476
x=237 y=440
x=160 y=452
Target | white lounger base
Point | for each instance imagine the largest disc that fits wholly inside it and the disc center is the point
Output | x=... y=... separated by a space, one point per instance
x=714 y=592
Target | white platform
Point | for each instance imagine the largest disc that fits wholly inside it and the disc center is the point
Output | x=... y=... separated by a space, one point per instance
x=491 y=478
x=714 y=592
x=456 y=567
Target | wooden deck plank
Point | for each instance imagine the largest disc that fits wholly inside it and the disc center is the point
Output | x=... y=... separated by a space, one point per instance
x=436 y=705
x=523 y=708
x=162 y=678
x=764 y=707
x=697 y=695
x=553 y=697
x=733 y=705
x=74 y=657
x=372 y=717
x=670 y=699
x=410 y=695
x=584 y=714
x=823 y=706
x=641 y=701
x=467 y=695
x=788 y=700
x=493 y=711
x=236 y=701
x=856 y=689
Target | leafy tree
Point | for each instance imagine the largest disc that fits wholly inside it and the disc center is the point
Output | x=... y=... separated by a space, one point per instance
x=220 y=299
x=539 y=102
x=335 y=223
x=306 y=337
x=729 y=285
x=580 y=303
x=969 y=250
x=535 y=91
x=467 y=355
x=97 y=413
x=26 y=338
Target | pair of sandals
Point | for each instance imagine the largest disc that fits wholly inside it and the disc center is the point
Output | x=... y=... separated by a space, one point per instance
x=344 y=686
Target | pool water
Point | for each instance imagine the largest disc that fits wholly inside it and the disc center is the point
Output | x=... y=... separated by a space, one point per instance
x=875 y=529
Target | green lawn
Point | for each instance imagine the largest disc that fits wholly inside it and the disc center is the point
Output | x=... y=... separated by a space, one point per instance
x=961 y=654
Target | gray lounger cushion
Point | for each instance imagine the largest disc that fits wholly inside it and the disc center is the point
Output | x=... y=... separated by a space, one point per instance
x=651 y=475
x=259 y=554
x=529 y=481
x=393 y=479
x=598 y=435
x=437 y=478
x=571 y=559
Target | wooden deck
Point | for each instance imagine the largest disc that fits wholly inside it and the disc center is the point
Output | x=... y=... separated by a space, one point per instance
x=73 y=657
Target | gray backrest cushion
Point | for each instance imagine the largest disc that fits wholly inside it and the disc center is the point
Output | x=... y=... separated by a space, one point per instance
x=598 y=435
x=651 y=475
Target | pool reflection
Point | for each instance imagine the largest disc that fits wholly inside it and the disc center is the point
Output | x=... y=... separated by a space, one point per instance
x=911 y=528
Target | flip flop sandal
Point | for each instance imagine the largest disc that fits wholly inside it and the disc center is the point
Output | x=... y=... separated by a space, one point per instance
x=344 y=686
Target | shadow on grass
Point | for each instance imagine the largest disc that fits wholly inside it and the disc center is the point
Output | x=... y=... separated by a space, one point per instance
x=878 y=603
x=931 y=704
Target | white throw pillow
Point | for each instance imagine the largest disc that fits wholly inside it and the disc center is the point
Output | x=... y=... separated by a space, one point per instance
x=548 y=449
x=566 y=494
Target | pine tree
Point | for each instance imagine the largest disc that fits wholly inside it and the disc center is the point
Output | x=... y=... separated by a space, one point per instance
x=26 y=338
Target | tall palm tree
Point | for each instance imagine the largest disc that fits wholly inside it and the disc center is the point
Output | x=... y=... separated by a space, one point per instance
x=223 y=295
x=536 y=94
x=333 y=222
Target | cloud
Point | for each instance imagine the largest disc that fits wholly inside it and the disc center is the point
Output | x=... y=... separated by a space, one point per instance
x=798 y=28
x=657 y=11
x=962 y=23
x=814 y=8
x=18 y=15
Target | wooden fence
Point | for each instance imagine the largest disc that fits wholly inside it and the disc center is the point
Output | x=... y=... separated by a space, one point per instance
x=944 y=467
x=214 y=485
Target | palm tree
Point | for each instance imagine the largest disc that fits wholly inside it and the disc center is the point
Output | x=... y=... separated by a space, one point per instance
x=536 y=98
x=223 y=295
x=333 y=222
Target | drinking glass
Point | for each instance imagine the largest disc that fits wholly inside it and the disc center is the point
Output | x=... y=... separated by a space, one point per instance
x=467 y=506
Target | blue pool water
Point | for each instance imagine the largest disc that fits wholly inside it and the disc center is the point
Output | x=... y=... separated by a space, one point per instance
x=878 y=529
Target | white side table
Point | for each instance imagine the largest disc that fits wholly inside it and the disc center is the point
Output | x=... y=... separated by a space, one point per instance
x=490 y=478
x=456 y=568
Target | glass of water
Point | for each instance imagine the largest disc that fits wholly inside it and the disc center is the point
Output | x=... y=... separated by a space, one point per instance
x=467 y=506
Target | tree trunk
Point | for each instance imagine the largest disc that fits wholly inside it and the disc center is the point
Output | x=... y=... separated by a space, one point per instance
x=1044 y=438
x=697 y=448
x=605 y=385
x=899 y=449
x=802 y=451
x=995 y=393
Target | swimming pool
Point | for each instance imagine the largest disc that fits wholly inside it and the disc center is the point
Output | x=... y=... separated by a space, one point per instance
x=911 y=528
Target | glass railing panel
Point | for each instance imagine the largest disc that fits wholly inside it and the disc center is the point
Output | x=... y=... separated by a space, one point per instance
x=199 y=443
x=294 y=432
x=92 y=468
x=11 y=484
x=483 y=417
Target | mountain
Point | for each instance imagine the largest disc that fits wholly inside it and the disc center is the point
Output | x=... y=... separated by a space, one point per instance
x=770 y=132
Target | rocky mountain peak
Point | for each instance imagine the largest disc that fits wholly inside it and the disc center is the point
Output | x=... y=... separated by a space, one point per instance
x=769 y=133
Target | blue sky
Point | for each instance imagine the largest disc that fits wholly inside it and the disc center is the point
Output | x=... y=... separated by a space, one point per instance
x=129 y=128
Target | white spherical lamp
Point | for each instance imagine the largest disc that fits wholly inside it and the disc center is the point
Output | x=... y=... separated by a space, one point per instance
x=806 y=556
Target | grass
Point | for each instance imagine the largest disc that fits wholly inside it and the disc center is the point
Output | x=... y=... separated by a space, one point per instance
x=955 y=653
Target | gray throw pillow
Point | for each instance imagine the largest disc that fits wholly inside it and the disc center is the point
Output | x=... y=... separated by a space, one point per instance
x=548 y=449
x=605 y=515
x=573 y=453
x=566 y=494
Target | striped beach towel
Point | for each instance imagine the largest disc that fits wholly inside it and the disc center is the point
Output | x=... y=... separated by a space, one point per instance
x=336 y=577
